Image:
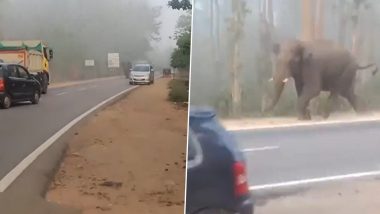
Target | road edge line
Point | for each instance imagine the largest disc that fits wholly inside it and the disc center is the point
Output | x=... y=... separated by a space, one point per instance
x=8 y=179
x=314 y=180
x=296 y=125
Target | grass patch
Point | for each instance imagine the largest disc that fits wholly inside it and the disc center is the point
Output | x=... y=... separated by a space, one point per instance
x=178 y=91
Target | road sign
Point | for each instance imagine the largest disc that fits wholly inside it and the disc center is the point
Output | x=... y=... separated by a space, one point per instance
x=89 y=63
x=113 y=60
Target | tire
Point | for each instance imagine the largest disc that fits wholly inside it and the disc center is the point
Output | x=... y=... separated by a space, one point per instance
x=36 y=97
x=6 y=102
x=131 y=83
x=44 y=83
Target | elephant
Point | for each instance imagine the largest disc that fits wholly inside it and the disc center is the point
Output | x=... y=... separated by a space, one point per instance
x=315 y=66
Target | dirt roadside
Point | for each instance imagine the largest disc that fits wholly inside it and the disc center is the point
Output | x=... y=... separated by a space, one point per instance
x=349 y=197
x=253 y=123
x=129 y=158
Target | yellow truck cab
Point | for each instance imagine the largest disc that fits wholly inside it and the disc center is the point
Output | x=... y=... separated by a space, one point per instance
x=35 y=55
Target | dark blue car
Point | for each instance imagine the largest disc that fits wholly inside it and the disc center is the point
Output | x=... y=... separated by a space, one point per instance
x=216 y=173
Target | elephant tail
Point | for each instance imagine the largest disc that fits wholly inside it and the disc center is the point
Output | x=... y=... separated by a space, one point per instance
x=368 y=66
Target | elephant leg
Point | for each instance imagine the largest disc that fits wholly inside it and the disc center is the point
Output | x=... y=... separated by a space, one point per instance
x=303 y=103
x=353 y=100
x=330 y=102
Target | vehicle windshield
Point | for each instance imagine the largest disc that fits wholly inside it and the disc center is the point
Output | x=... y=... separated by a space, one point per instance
x=141 y=68
x=1 y=71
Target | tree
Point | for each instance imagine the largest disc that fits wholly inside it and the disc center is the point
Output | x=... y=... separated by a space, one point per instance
x=183 y=25
x=180 y=4
x=236 y=28
x=266 y=44
x=180 y=57
x=319 y=21
x=307 y=21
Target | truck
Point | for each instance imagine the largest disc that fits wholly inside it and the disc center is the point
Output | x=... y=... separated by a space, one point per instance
x=34 y=55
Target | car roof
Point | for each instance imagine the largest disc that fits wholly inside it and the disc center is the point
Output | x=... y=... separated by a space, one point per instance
x=201 y=112
x=145 y=64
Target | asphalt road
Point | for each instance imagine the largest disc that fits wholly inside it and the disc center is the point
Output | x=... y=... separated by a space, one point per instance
x=25 y=127
x=291 y=154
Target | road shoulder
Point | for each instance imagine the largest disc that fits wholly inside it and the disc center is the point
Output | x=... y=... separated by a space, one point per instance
x=129 y=158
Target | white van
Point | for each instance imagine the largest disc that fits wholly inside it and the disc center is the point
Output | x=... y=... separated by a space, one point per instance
x=141 y=74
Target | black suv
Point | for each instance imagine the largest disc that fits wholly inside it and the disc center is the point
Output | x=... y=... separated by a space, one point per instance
x=17 y=85
x=217 y=180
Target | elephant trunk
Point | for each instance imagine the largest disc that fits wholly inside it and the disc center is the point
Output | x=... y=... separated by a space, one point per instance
x=278 y=88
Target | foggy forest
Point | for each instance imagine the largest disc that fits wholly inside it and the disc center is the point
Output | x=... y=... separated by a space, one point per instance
x=232 y=44
x=88 y=29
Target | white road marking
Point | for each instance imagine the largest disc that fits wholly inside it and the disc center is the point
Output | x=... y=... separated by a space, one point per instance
x=62 y=93
x=304 y=124
x=15 y=172
x=315 y=180
x=257 y=149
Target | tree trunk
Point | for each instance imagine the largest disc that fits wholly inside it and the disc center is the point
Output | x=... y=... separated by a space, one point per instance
x=237 y=24
x=319 y=21
x=269 y=12
x=307 y=21
x=236 y=90
x=266 y=38
x=342 y=29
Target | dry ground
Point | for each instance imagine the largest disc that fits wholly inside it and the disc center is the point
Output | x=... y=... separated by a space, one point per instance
x=253 y=123
x=129 y=158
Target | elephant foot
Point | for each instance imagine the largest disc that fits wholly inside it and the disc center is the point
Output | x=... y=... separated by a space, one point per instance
x=326 y=115
x=305 y=116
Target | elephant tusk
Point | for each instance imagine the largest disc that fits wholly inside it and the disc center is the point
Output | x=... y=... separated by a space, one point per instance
x=285 y=80
x=270 y=80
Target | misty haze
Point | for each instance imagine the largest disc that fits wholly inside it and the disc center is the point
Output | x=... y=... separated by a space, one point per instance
x=88 y=29
x=238 y=84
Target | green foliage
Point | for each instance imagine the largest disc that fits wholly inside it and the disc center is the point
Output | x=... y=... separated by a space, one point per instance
x=181 y=55
x=180 y=4
x=183 y=25
x=178 y=91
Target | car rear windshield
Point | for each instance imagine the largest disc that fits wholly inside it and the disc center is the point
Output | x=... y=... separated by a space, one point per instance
x=141 y=68
x=1 y=71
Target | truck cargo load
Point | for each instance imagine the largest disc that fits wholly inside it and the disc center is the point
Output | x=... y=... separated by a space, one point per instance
x=32 y=54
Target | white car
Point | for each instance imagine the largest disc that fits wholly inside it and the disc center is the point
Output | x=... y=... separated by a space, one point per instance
x=141 y=74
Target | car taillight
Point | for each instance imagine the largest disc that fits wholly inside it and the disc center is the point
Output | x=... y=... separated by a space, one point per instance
x=2 y=85
x=240 y=176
